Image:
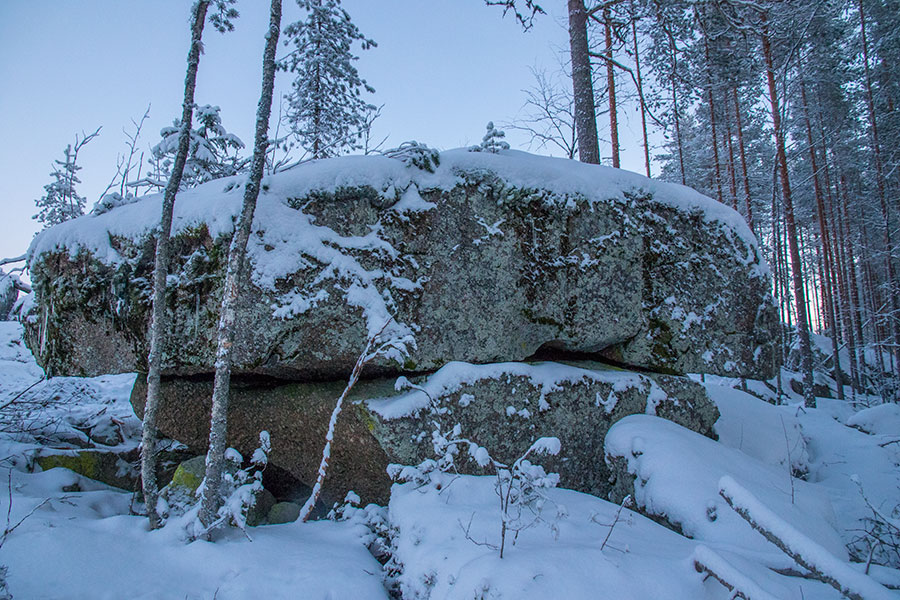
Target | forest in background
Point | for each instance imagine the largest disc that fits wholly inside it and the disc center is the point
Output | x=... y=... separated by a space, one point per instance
x=786 y=111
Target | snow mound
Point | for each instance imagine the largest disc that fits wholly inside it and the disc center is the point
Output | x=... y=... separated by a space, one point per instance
x=761 y=430
x=883 y=419
x=677 y=475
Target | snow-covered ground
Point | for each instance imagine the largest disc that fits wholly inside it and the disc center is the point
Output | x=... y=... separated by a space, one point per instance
x=811 y=468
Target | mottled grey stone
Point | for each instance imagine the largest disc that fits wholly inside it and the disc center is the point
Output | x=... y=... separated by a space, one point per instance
x=577 y=405
x=501 y=272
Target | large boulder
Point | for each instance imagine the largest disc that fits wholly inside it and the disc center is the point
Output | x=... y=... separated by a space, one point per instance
x=502 y=407
x=489 y=258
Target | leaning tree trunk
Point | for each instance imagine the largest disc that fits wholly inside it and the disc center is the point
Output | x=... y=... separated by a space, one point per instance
x=237 y=255
x=809 y=398
x=583 y=85
x=158 y=322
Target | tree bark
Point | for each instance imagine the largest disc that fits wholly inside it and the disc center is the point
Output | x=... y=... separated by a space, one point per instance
x=827 y=265
x=583 y=85
x=741 y=150
x=640 y=90
x=894 y=319
x=611 y=90
x=234 y=275
x=809 y=398
x=158 y=323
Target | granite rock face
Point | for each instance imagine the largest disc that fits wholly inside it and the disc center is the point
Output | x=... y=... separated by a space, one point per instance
x=490 y=259
x=503 y=407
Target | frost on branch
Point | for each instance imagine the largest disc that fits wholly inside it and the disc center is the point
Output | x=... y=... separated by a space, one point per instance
x=521 y=487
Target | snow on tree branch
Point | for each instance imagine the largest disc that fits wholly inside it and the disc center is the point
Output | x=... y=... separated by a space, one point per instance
x=808 y=554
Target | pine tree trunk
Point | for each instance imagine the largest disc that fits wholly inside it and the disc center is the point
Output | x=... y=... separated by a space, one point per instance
x=851 y=284
x=640 y=90
x=732 y=171
x=741 y=150
x=611 y=85
x=158 y=323
x=673 y=82
x=826 y=246
x=237 y=254
x=582 y=85
x=806 y=364
x=894 y=319
x=712 y=122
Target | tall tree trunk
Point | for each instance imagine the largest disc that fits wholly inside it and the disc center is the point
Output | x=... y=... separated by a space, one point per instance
x=729 y=146
x=806 y=365
x=673 y=83
x=611 y=85
x=640 y=90
x=894 y=319
x=851 y=283
x=158 y=323
x=740 y=131
x=826 y=247
x=712 y=122
x=582 y=84
x=234 y=275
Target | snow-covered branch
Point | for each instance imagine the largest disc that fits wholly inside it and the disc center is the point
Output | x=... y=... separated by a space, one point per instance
x=807 y=553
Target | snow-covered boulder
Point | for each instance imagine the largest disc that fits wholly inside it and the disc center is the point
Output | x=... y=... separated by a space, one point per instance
x=489 y=258
x=502 y=407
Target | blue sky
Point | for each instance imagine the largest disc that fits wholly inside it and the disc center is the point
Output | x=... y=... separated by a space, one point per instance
x=442 y=69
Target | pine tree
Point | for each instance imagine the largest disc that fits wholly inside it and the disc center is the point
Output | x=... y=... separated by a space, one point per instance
x=326 y=111
x=61 y=201
x=492 y=141
x=213 y=152
x=234 y=274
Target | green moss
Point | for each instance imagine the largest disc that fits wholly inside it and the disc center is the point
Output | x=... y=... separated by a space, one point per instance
x=83 y=463
x=541 y=320
x=189 y=474
x=366 y=417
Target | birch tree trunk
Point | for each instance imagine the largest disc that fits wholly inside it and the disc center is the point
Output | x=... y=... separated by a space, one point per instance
x=237 y=255
x=158 y=323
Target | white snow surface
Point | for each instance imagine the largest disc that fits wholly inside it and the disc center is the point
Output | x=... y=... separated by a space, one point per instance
x=677 y=476
x=883 y=419
x=548 y=376
x=217 y=203
x=807 y=550
x=87 y=544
